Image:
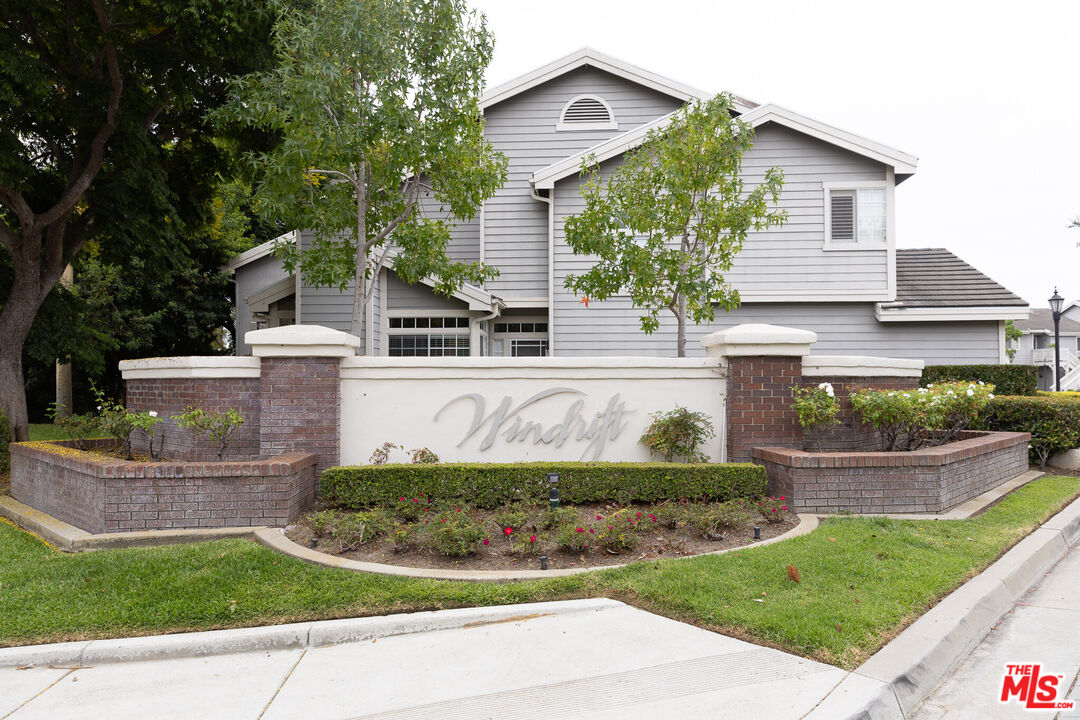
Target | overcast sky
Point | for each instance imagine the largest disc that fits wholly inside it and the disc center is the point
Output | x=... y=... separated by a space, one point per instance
x=985 y=94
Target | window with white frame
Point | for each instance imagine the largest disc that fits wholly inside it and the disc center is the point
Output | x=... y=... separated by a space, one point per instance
x=855 y=216
x=428 y=336
x=520 y=337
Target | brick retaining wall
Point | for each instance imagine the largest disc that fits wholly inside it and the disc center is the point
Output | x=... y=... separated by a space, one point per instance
x=103 y=494
x=926 y=480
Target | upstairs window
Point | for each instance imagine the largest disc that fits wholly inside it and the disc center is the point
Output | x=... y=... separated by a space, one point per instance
x=587 y=112
x=855 y=216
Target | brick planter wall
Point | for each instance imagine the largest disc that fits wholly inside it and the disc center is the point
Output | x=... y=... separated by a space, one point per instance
x=102 y=494
x=171 y=396
x=927 y=480
x=759 y=404
x=300 y=407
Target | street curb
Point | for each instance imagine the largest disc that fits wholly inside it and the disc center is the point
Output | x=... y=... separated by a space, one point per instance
x=69 y=538
x=892 y=683
x=275 y=539
x=280 y=637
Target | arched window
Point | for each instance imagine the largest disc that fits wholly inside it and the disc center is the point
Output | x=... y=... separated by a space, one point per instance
x=587 y=112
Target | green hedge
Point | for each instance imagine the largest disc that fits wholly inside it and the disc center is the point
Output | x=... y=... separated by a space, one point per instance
x=5 y=438
x=1054 y=422
x=1007 y=379
x=490 y=485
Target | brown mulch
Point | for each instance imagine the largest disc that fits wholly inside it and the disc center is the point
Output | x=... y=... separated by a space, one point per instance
x=656 y=542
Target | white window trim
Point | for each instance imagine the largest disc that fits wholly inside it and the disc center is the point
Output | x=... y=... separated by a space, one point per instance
x=611 y=124
x=828 y=187
x=506 y=337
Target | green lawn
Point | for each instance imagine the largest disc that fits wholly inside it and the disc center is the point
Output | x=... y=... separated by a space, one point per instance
x=48 y=431
x=862 y=581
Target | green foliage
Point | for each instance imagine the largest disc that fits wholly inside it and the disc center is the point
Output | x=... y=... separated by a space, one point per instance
x=816 y=407
x=489 y=485
x=455 y=534
x=146 y=423
x=574 y=538
x=423 y=456
x=114 y=420
x=1012 y=334
x=772 y=509
x=932 y=415
x=711 y=519
x=376 y=104
x=678 y=433
x=1054 y=422
x=219 y=426
x=77 y=427
x=350 y=530
x=669 y=221
x=1006 y=379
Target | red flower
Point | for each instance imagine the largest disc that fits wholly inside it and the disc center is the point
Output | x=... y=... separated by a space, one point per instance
x=783 y=507
x=774 y=509
x=599 y=517
x=610 y=528
x=486 y=541
x=591 y=531
x=401 y=499
x=415 y=500
x=580 y=529
x=781 y=497
x=509 y=531
x=443 y=520
x=532 y=538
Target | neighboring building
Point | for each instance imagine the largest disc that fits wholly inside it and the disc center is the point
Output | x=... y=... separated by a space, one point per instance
x=1036 y=346
x=832 y=268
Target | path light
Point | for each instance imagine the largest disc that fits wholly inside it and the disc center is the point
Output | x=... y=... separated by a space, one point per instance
x=543 y=562
x=553 y=492
x=1056 y=301
x=313 y=542
x=757 y=532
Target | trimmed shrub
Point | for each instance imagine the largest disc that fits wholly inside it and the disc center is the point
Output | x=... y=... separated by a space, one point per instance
x=489 y=485
x=1006 y=379
x=1054 y=422
x=5 y=438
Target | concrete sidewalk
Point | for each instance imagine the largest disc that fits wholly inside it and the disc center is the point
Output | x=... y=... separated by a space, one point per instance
x=582 y=659
x=1044 y=627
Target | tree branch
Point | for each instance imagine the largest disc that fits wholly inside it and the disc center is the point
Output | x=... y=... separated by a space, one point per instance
x=13 y=198
x=413 y=195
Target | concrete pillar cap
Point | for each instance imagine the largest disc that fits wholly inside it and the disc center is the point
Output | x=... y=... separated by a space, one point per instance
x=302 y=341
x=758 y=339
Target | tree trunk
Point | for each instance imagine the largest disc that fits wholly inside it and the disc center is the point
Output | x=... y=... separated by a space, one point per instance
x=680 y=317
x=360 y=266
x=16 y=318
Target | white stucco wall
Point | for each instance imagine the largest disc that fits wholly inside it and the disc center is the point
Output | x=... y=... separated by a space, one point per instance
x=478 y=409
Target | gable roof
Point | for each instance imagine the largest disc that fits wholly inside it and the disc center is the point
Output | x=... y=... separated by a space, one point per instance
x=934 y=277
x=258 y=252
x=600 y=61
x=1041 y=321
x=902 y=162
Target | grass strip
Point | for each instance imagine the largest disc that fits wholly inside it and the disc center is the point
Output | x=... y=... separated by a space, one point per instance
x=862 y=581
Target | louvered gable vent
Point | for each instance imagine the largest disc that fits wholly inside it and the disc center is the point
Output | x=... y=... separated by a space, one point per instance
x=586 y=112
x=842 y=211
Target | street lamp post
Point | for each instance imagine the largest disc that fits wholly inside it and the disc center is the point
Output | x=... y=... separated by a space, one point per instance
x=1056 y=301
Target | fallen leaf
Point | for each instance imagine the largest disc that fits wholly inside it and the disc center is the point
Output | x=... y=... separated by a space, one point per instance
x=758 y=600
x=838 y=628
x=793 y=573
x=832 y=539
x=764 y=594
x=24 y=667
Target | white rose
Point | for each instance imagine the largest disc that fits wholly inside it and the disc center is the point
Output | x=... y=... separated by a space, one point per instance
x=829 y=390
x=152 y=413
x=891 y=394
x=970 y=392
x=821 y=386
x=991 y=396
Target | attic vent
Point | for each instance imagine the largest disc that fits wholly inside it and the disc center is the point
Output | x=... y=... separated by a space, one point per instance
x=587 y=112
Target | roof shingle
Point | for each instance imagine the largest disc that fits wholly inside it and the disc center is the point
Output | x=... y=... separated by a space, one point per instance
x=934 y=277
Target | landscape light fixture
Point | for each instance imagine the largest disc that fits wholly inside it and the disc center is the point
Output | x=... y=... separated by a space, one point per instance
x=1056 y=301
x=757 y=532
x=543 y=562
x=553 y=492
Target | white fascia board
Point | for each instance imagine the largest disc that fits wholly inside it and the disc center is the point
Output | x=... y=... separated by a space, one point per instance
x=902 y=162
x=197 y=366
x=546 y=178
x=258 y=252
x=859 y=366
x=588 y=56
x=946 y=314
x=477 y=298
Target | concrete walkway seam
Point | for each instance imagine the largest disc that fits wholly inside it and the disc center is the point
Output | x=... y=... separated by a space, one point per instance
x=281 y=637
x=892 y=683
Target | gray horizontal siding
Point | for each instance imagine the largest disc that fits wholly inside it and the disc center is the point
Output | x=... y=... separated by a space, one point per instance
x=523 y=127
x=464 y=236
x=248 y=280
x=842 y=328
x=402 y=296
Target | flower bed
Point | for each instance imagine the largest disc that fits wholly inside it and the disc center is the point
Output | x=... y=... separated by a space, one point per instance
x=930 y=479
x=418 y=532
x=101 y=493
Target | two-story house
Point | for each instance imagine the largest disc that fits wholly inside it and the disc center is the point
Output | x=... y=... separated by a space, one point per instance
x=833 y=268
x=1035 y=346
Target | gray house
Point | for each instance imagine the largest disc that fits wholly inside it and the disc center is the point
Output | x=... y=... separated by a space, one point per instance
x=1036 y=346
x=833 y=268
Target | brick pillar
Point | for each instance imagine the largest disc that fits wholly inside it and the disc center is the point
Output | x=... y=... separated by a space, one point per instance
x=300 y=389
x=763 y=363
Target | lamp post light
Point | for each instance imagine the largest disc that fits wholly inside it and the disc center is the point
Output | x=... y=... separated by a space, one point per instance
x=1056 y=301
x=553 y=490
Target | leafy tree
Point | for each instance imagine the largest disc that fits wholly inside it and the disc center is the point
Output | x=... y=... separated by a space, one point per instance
x=102 y=136
x=1012 y=334
x=671 y=218
x=375 y=102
